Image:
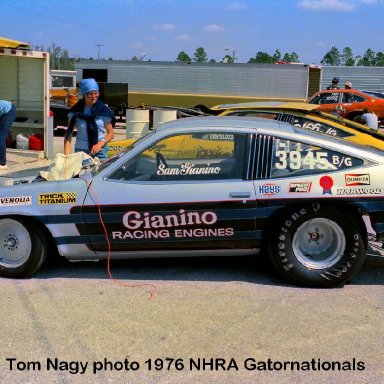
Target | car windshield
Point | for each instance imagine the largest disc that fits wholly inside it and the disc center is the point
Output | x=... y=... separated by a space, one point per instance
x=325 y=98
x=111 y=160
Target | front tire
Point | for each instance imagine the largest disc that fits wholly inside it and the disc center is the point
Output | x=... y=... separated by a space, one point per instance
x=23 y=247
x=317 y=246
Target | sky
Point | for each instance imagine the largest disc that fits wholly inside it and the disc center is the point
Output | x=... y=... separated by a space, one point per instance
x=159 y=30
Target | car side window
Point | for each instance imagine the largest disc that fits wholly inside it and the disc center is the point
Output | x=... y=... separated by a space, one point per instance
x=291 y=158
x=352 y=98
x=326 y=98
x=186 y=157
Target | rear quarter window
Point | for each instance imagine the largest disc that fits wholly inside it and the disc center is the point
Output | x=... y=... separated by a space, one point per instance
x=291 y=158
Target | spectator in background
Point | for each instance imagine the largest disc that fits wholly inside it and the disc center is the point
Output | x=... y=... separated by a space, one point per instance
x=370 y=119
x=7 y=117
x=348 y=85
x=334 y=84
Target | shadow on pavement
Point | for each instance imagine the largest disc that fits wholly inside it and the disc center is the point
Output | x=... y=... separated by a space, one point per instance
x=209 y=269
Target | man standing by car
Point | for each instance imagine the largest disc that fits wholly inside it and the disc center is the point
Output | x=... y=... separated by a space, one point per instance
x=348 y=85
x=370 y=119
x=7 y=117
x=334 y=84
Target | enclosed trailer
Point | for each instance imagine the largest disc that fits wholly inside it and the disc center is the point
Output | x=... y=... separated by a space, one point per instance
x=186 y=85
x=24 y=79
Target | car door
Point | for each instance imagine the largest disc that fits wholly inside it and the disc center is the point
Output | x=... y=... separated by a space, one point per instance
x=329 y=100
x=352 y=102
x=183 y=192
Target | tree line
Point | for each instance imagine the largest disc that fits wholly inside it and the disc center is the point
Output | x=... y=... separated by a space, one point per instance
x=346 y=57
x=334 y=57
x=61 y=59
x=200 y=56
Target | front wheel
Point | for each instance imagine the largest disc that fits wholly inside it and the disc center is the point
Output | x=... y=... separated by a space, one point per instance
x=23 y=247
x=317 y=246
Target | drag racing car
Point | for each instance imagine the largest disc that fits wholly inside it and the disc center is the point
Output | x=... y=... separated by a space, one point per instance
x=207 y=186
x=354 y=102
x=307 y=116
x=299 y=114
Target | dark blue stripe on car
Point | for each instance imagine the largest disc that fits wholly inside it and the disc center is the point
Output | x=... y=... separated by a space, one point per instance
x=60 y=240
x=62 y=219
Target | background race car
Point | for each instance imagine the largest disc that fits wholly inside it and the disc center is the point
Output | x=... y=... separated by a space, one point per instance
x=352 y=101
x=307 y=116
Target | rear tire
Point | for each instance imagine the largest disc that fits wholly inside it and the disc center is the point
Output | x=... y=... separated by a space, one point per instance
x=317 y=246
x=23 y=247
x=356 y=118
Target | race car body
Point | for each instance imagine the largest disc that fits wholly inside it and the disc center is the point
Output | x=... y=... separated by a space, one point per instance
x=299 y=114
x=307 y=116
x=207 y=186
x=353 y=102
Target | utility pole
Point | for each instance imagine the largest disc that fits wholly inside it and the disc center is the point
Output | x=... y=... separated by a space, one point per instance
x=98 y=50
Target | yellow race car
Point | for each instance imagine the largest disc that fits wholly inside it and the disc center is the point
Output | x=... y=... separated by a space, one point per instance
x=114 y=147
x=299 y=114
x=307 y=116
x=175 y=146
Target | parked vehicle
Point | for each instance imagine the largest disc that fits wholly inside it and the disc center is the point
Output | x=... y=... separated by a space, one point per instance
x=63 y=95
x=208 y=186
x=352 y=101
x=307 y=116
x=299 y=114
x=63 y=85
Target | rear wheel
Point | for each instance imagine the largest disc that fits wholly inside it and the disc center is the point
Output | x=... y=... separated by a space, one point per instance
x=317 y=246
x=23 y=247
x=356 y=117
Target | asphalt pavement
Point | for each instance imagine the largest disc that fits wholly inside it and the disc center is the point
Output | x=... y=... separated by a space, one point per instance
x=210 y=321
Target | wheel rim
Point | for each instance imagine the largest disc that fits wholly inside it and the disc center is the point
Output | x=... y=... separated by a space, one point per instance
x=15 y=244
x=319 y=243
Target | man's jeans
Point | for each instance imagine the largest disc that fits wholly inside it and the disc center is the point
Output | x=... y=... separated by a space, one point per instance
x=5 y=126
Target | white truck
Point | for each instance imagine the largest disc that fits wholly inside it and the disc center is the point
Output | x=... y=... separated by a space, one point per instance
x=25 y=80
x=63 y=84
